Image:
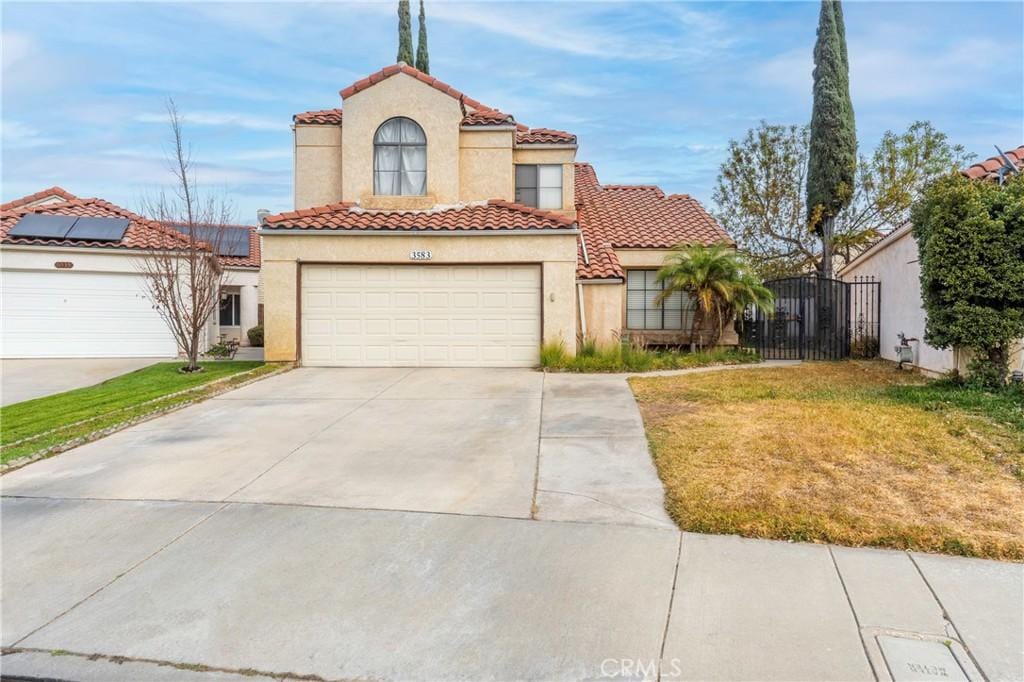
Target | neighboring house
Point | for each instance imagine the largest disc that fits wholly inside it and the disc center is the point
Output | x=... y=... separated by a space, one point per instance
x=241 y=306
x=893 y=261
x=430 y=229
x=70 y=282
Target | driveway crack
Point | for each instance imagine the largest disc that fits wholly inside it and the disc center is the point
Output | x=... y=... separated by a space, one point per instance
x=600 y=501
x=125 y=572
x=540 y=430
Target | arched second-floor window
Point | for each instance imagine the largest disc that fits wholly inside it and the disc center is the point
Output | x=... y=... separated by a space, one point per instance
x=400 y=158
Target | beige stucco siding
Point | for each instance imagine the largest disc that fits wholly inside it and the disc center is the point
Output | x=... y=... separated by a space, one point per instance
x=317 y=165
x=486 y=170
x=401 y=95
x=279 y=308
x=282 y=253
x=603 y=304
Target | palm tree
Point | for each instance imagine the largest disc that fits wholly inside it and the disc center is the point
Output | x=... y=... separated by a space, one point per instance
x=718 y=280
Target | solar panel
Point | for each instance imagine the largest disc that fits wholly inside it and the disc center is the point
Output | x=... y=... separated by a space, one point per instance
x=43 y=226
x=229 y=241
x=99 y=229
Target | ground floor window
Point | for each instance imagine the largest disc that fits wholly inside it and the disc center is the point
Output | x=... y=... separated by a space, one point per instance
x=642 y=312
x=230 y=310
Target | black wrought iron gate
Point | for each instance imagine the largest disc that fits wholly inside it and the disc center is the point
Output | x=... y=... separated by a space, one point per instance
x=815 y=318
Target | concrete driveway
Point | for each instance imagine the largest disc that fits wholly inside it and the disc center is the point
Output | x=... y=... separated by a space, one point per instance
x=25 y=379
x=442 y=524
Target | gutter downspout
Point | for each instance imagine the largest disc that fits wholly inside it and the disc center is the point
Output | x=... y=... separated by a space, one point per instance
x=579 y=288
x=583 y=311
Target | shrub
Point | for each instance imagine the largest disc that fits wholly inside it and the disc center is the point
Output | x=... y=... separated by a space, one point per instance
x=255 y=335
x=218 y=350
x=552 y=354
x=588 y=347
x=633 y=356
x=970 y=237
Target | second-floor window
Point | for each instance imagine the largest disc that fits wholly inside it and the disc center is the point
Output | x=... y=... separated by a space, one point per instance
x=400 y=158
x=539 y=186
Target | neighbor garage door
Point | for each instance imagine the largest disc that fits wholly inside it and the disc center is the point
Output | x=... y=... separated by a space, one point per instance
x=79 y=315
x=421 y=315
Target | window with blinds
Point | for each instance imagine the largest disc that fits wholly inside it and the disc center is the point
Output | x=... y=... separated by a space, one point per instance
x=539 y=186
x=642 y=312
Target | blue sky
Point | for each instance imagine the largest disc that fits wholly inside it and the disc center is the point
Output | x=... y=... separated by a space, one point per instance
x=654 y=91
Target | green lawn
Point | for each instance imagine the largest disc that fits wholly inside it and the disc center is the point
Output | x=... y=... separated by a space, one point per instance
x=56 y=419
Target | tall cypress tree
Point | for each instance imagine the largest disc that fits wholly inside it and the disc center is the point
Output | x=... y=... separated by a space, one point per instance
x=422 y=57
x=404 y=33
x=832 y=160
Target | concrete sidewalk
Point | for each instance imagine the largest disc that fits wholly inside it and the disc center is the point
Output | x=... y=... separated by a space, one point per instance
x=341 y=594
x=446 y=525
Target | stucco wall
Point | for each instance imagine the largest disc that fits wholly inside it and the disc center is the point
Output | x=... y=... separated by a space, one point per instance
x=603 y=305
x=96 y=260
x=486 y=168
x=82 y=259
x=317 y=165
x=900 y=309
x=401 y=95
x=335 y=163
x=282 y=252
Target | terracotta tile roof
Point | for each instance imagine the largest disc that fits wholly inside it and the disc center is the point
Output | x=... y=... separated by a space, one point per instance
x=596 y=259
x=389 y=71
x=487 y=117
x=479 y=114
x=330 y=117
x=544 y=136
x=635 y=217
x=50 y=193
x=989 y=168
x=142 y=233
x=493 y=215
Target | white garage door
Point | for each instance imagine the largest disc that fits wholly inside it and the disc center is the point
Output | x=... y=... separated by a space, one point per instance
x=79 y=315
x=421 y=315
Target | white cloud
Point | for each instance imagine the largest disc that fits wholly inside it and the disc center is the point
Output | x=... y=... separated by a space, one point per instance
x=575 y=89
x=16 y=48
x=218 y=118
x=584 y=29
x=272 y=154
x=883 y=70
x=17 y=135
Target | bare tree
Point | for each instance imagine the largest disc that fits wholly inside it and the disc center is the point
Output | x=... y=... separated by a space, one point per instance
x=184 y=283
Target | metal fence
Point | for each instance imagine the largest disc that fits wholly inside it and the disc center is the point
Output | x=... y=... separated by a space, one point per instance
x=865 y=298
x=816 y=319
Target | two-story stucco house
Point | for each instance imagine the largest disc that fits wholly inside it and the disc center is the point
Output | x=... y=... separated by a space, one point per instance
x=430 y=229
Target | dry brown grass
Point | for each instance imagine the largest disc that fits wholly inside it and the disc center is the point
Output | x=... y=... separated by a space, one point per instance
x=823 y=452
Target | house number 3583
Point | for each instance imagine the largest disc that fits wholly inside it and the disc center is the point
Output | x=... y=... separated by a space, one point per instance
x=420 y=255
